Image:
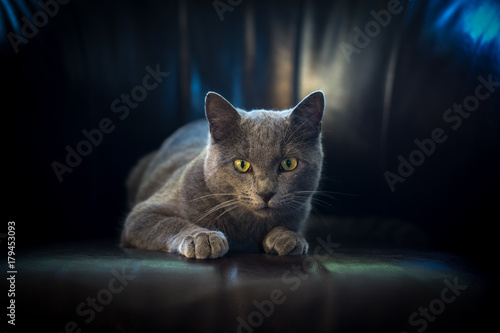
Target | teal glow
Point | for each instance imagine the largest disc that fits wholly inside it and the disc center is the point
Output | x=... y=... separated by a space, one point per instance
x=483 y=23
x=469 y=29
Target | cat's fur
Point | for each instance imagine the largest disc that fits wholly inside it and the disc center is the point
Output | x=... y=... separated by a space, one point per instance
x=188 y=197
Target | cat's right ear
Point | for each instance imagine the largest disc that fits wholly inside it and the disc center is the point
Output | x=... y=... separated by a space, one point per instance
x=222 y=117
x=310 y=111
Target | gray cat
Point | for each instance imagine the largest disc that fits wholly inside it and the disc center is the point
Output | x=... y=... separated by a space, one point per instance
x=242 y=180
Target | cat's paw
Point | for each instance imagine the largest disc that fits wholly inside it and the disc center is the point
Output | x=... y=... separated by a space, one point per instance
x=282 y=241
x=204 y=244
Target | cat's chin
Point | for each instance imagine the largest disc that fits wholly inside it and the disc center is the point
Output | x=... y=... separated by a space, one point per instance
x=265 y=212
x=268 y=212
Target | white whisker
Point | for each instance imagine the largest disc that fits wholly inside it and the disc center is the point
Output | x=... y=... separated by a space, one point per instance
x=213 y=195
x=223 y=205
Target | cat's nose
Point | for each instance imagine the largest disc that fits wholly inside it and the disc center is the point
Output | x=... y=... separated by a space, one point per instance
x=266 y=196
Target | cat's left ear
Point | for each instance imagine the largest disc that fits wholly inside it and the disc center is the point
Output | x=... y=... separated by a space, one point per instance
x=309 y=112
x=222 y=117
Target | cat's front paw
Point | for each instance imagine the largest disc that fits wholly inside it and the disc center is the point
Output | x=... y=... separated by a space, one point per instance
x=204 y=244
x=282 y=241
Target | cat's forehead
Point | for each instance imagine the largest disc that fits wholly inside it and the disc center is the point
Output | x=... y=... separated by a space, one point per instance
x=266 y=134
x=264 y=125
x=265 y=120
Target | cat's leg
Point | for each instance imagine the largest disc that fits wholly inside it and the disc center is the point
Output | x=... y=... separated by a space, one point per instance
x=282 y=241
x=151 y=226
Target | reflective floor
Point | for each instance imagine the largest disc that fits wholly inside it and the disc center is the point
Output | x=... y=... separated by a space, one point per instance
x=101 y=287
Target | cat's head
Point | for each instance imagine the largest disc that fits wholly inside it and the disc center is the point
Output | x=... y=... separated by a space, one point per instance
x=267 y=162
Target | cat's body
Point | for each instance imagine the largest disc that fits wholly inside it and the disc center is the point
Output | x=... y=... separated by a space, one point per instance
x=241 y=181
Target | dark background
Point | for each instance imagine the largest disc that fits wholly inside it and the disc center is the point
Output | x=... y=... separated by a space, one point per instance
x=262 y=54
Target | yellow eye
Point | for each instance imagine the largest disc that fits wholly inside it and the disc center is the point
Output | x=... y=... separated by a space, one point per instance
x=242 y=165
x=288 y=164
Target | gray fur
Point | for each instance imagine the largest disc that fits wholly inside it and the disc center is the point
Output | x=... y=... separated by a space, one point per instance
x=188 y=198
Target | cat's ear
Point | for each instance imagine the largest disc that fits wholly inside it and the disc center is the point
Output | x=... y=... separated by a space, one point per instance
x=222 y=117
x=309 y=112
